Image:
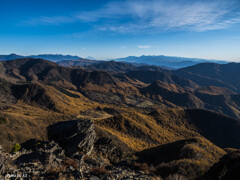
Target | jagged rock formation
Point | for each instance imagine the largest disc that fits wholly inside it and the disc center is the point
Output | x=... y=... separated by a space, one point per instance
x=74 y=136
x=38 y=159
x=2 y=163
x=47 y=160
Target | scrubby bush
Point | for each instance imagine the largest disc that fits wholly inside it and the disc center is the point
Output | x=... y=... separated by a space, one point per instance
x=16 y=148
x=2 y=120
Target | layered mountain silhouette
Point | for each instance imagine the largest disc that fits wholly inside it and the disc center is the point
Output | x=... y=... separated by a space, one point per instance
x=167 y=61
x=128 y=84
x=77 y=63
x=123 y=117
x=50 y=57
x=224 y=73
x=162 y=61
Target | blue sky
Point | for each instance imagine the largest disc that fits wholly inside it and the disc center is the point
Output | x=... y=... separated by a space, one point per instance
x=108 y=29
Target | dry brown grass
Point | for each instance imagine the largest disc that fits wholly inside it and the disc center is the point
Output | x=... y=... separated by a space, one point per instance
x=139 y=131
x=99 y=171
x=71 y=162
x=28 y=120
x=190 y=157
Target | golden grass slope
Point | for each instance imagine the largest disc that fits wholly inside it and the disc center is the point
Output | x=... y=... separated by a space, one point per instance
x=27 y=120
x=189 y=157
x=139 y=131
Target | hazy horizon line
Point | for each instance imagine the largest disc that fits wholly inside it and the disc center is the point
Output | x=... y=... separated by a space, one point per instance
x=108 y=59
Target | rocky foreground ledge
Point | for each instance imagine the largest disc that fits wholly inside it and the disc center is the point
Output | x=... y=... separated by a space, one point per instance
x=76 y=151
x=72 y=152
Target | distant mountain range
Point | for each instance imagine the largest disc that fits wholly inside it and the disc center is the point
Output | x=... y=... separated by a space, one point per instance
x=56 y=57
x=127 y=114
x=168 y=61
x=162 y=61
x=78 y=63
x=205 y=74
x=50 y=57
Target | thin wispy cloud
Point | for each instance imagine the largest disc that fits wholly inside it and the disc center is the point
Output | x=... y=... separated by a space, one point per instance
x=44 y=20
x=144 y=47
x=155 y=15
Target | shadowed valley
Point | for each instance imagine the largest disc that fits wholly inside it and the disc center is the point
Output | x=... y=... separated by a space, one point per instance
x=106 y=118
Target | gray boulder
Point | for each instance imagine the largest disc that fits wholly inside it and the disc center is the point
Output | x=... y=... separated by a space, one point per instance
x=3 y=159
x=76 y=136
x=1 y=150
x=2 y=166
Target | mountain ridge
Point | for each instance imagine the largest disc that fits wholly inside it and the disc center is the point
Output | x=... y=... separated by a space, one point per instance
x=118 y=114
x=168 y=61
x=161 y=60
x=51 y=57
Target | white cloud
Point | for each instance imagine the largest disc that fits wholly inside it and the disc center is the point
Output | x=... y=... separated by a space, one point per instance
x=144 y=47
x=156 y=15
x=44 y=20
x=159 y=15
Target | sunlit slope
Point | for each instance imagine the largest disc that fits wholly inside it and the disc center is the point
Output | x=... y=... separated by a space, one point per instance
x=140 y=131
x=38 y=106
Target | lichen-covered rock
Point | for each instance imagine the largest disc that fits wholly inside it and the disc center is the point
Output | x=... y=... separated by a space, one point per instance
x=4 y=161
x=107 y=147
x=46 y=160
x=2 y=166
x=75 y=136
x=38 y=160
x=43 y=151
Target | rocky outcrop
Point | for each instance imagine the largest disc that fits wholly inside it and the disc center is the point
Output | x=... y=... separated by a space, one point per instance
x=76 y=137
x=5 y=160
x=72 y=158
x=109 y=149
x=2 y=165
x=46 y=160
x=61 y=158
x=38 y=160
x=43 y=151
